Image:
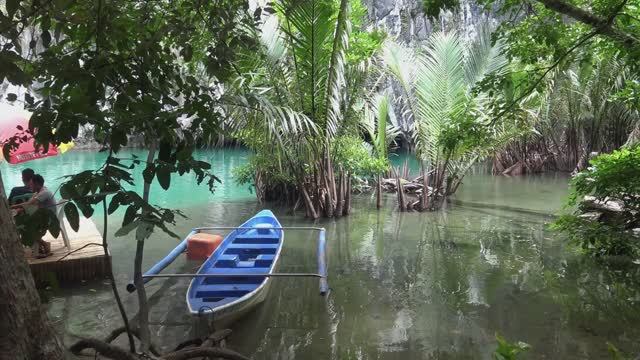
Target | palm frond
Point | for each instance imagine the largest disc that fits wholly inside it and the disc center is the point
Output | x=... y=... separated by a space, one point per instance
x=440 y=91
x=400 y=61
x=272 y=39
x=308 y=26
x=335 y=80
x=483 y=58
x=251 y=112
x=279 y=73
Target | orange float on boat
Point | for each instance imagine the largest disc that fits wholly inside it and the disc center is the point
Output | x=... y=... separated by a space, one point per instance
x=201 y=245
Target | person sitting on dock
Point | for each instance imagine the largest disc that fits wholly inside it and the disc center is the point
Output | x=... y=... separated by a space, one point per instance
x=43 y=199
x=22 y=193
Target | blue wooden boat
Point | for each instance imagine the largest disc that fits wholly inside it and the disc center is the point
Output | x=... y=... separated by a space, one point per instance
x=236 y=276
x=253 y=248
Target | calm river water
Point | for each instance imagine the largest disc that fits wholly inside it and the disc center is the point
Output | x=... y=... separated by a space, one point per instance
x=404 y=285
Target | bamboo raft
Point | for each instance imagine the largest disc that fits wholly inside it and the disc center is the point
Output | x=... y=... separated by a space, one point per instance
x=87 y=263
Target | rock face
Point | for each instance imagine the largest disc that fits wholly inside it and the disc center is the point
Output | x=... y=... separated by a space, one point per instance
x=405 y=19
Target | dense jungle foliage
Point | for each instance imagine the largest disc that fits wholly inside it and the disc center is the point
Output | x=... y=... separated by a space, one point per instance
x=321 y=97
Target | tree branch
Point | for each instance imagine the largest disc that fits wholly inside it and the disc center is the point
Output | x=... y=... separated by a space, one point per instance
x=600 y=24
x=539 y=80
x=106 y=350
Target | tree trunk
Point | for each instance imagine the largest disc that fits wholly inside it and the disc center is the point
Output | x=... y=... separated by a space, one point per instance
x=425 y=190
x=143 y=311
x=311 y=210
x=347 y=196
x=379 y=192
x=25 y=331
x=340 y=194
x=114 y=287
x=401 y=201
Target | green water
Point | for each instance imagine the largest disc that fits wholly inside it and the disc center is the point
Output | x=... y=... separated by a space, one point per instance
x=404 y=285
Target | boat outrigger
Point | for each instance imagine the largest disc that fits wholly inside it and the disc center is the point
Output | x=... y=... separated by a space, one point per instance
x=236 y=276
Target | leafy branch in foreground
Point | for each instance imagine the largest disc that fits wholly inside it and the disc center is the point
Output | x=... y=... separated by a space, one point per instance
x=611 y=178
x=123 y=68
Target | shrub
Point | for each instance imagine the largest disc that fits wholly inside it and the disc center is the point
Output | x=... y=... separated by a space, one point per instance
x=596 y=238
x=615 y=175
x=610 y=176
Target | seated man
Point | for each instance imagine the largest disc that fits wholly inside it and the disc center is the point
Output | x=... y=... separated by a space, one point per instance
x=20 y=191
x=43 y=199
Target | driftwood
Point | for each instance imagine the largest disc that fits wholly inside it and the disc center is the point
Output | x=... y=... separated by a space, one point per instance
x=415 y=186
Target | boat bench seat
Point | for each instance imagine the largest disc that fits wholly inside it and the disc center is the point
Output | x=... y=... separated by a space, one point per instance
x=224 y=290
x=249 y=252
x=264 y=260
x=256 y=238
x=257 y=279
x=227 y=261
x=265 y=247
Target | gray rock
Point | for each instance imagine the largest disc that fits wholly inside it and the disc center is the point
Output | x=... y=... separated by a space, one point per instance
x=606 y=205
x=382 y=8
x=591 y=216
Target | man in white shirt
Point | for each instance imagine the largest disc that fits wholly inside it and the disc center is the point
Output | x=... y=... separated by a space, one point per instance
x=43 y=199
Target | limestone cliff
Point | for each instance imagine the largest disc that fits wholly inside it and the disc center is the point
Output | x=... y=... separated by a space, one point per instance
x=406 y=20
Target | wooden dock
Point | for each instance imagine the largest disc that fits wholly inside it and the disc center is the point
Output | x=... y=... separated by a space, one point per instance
x=88 y=263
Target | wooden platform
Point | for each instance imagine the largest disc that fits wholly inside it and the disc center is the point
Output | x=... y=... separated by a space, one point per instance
x=85 y=264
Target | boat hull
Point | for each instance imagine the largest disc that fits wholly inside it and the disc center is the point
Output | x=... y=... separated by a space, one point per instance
x=250 y=254
x=223 y=318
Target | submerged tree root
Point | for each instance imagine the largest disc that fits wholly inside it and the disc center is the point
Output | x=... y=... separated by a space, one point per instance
x=105 y=349
x=135 y=332
x=200 y=352
x=184 y=351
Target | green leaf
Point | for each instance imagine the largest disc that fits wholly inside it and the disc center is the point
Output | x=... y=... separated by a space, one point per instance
x=71 y=213
x=187 y=52
x=164 y=153
x=46 y=38
x=115 y=203
x=54 y=224
x=45 y=23
x=118 y=139
x=127 y=228
x=149 y=173
x=164 y=177
x=12 y=7
x=144 y=230
x=86 y=208
x=129 y=215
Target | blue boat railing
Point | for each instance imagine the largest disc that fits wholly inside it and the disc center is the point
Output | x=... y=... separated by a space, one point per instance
x=154 y=271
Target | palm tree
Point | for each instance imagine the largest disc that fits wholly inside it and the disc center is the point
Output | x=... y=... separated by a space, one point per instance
x=573 y=116
x=579 y=116
x=303 y=69
x=450 y=128
x=377 y=125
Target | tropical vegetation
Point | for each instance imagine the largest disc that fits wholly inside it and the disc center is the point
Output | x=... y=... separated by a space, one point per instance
x=321 y=98
x=451 y=124
x=308 y=64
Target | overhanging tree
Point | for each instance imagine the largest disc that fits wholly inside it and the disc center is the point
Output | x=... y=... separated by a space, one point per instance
x=127 y=68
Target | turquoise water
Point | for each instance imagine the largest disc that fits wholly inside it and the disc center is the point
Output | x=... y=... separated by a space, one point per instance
x=404 y=285
x=184 y=190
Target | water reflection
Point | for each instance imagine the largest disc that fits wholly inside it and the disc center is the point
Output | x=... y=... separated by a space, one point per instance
x=404 y=285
